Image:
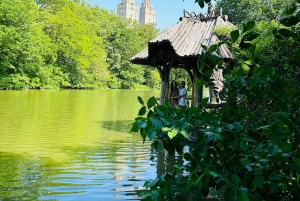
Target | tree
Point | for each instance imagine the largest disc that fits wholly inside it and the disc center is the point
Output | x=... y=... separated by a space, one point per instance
x=239 y=11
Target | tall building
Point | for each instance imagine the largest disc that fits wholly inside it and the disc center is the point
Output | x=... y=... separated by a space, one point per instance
x=147 y=13
x=128 y=9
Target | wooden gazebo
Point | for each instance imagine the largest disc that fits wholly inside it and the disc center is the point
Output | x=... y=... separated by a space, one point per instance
x=180 y=47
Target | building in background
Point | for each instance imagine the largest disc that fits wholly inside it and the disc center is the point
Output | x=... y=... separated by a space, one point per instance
x=147 y=13
x=129 y=9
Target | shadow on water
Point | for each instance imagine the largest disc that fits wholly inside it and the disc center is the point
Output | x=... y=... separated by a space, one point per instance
x=119 y=126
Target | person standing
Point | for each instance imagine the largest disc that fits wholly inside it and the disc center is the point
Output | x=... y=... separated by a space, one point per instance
x=182 y=95
x=174 y=91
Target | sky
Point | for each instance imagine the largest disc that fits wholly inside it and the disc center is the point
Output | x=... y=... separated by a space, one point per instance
x=168 y=12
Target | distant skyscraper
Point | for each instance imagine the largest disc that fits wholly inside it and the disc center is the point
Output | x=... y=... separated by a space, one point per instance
x=147 y=13
x=128 y=9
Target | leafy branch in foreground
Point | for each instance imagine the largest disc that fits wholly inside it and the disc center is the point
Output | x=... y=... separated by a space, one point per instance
x=248 y=149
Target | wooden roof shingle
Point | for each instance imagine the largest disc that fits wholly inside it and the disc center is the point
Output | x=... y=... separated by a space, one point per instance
x=184 y=39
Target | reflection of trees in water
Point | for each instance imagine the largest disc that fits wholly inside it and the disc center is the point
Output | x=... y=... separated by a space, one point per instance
x=165 y=161
x=22 y=177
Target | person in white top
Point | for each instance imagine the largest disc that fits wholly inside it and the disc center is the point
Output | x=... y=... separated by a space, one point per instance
x=182 y=95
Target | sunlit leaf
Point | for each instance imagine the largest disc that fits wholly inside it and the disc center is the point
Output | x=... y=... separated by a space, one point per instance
x=185 y=134
x=245 y=67
x=172 y=133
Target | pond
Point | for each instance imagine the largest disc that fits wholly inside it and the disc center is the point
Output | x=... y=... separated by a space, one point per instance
x=73 y=145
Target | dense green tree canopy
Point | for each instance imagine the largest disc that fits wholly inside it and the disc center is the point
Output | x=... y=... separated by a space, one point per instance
x=244 y=10
x=65 y=43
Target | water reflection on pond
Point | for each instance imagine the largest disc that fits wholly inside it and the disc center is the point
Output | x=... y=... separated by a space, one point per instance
x=74 y=145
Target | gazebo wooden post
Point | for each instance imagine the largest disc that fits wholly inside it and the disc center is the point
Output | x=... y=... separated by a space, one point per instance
x=197 y=92
x=165 y=76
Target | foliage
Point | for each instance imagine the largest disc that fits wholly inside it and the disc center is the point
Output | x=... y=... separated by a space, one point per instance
x=65 y=43
x=249 y=147
x=239 y=11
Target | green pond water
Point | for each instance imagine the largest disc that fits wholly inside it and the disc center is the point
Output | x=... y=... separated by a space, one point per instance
x=73 y=145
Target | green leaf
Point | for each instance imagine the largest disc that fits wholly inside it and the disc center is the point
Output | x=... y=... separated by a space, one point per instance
x=185 y=134
x=214 y=174
x=243 y=197
x=249 y=62
x=258 y=181
x=198 y=183
x=273 y=150
x=135 y=127
x=213 y=48
x=291 y=8
x=156 y=122
x=230 y=193
x=165 y=129
x=201 y=3
x=187 y=156
x=151 y=102
x=243 y=145
x=235 y=179
x=272 y=188
x=291 y=21
x=250 y=25
x=214 y=58
x=156 y=195
x=204 y=101
x=250 y=36
x=221 y=62
x=245 y=45
x=286 y=32
x=166 y=121
x=142 y=111
x=152 y=134
x=204 y=47
x=159 y=111
x=167 y=102
x=172 y=133
x=141 y=123
x=245 y=67
x=140 y=100
x=234 y=35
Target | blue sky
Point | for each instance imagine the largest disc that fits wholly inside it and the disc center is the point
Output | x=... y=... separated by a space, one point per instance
x=168 y=12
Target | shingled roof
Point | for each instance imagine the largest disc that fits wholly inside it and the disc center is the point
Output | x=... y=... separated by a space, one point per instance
x=184 y=40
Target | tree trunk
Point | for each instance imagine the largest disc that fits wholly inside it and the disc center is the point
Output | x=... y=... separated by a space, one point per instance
x=197 y=90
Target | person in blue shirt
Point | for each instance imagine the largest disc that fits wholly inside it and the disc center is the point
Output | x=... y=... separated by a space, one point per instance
x=182 y=95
